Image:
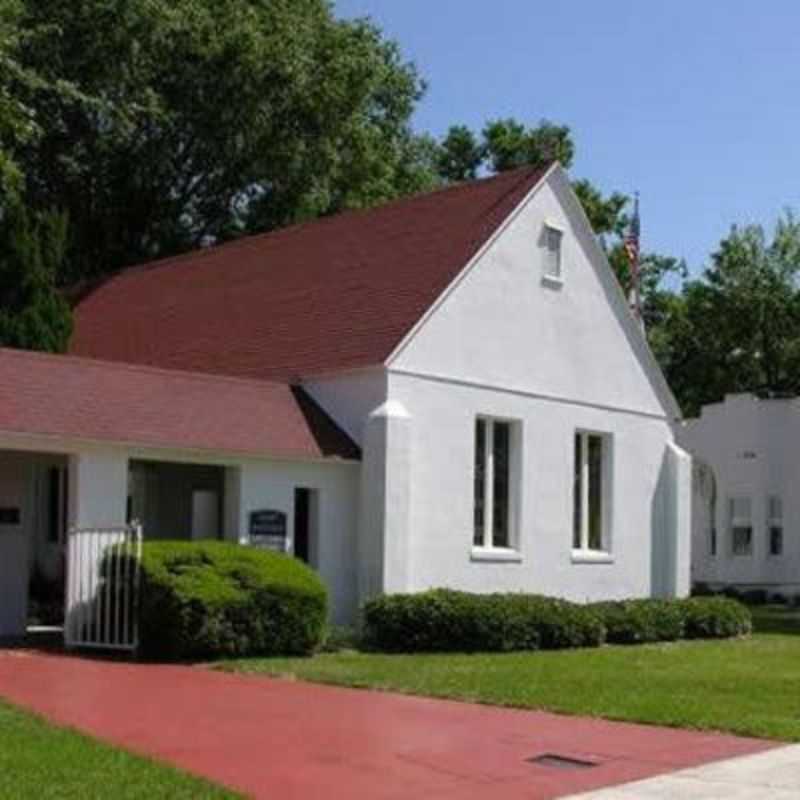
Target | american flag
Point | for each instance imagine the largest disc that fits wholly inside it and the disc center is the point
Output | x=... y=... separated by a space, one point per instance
x=631 y=245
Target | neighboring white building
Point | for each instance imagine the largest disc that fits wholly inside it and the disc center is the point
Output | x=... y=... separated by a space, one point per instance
x=745 y=512
x=449 y=390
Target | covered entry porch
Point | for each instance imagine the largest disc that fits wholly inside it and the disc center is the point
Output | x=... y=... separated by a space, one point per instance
x=95 y=445
x=45 y=494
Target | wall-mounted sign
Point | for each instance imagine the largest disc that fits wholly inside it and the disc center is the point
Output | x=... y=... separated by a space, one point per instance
x=268 y=529
x=9 y=516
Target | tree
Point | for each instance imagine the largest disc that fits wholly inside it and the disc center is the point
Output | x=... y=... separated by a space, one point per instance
x=460 y=155
x=33 y=313
x=202 y=119
x=509 y=144
x=15 y=121
x=737 y=328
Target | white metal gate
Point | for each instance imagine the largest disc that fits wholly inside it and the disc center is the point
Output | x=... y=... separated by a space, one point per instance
x=102 y=589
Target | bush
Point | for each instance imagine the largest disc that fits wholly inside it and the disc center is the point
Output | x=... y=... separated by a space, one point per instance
x=210 y=599
x=715 y=618
x=445 y=620
x=640 y=621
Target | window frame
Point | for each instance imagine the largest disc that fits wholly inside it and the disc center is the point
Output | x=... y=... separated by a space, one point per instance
x=740 y=522
x=774 y=522
x=554 y=278
x=485 y=548
x=582 y=551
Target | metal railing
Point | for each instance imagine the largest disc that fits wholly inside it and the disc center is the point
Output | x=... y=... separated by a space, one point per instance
x=102 y=591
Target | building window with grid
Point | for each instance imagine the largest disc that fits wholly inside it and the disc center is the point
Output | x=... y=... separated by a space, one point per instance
x=494 y=484
x=741 y=525
x=775 y=525
x=590 y=491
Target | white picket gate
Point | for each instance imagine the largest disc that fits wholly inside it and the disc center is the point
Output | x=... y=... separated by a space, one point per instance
x=102 y=589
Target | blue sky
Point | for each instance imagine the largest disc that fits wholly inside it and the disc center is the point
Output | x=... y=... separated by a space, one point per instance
x=695 y=104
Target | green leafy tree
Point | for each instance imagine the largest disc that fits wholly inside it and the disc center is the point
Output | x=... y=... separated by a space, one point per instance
x=33 y=313
x=737 y=328
x=200 y=119
x=460 y=155
x=510 y=144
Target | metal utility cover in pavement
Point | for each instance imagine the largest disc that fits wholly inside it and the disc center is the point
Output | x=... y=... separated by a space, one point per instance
x=561 y=762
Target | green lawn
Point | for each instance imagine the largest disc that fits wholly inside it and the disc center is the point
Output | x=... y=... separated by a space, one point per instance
x=40 y=761
x=746 y=686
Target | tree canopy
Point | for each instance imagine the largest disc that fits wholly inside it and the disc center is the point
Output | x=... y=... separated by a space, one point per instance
x=132 y=129
x=737 y=327
x=201 y=120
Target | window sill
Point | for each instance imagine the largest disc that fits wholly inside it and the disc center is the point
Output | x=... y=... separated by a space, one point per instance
x=591 y=557
x=552 y=281
x=497 y=554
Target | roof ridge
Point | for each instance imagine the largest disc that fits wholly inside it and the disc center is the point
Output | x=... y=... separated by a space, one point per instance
x=130 y=366
x=254 y=238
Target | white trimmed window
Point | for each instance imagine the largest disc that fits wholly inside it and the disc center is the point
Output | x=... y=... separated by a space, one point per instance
x=775 y=525
x=740 y=510
x=495 y=482
x=553 y=239
x=590 y=492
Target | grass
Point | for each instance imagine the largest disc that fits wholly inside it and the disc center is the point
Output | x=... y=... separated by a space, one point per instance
x=38 y=760
x=746 y=686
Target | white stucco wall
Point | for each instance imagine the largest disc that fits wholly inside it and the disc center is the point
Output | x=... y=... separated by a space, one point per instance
x=750 y=446
x=350 y=397
x=441 y=495
x=266 y=484
x=502 y=326
x=554 y=358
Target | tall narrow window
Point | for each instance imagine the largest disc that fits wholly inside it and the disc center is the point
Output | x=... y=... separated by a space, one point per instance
x=589 y=493
x=552 y=259
x=741 y=525
x=493 y=484
x=775 y=525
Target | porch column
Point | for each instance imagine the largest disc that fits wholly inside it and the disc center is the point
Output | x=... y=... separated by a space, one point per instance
x=98 y=489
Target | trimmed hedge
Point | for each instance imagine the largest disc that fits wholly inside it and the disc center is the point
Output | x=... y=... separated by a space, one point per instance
x=642 y=620
x=211 y=599
x=445 y=620
x=716 y=618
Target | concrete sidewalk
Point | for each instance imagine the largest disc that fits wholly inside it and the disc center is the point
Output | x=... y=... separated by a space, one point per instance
x=774 y=775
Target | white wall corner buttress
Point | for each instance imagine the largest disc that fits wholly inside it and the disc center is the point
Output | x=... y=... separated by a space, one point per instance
x=384 y=529
x=672 y=525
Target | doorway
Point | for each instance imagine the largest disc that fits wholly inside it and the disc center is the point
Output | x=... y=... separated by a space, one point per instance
x=33 y=522
x=305 y=525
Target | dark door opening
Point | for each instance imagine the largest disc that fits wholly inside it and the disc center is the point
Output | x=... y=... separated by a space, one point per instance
x=302 y=515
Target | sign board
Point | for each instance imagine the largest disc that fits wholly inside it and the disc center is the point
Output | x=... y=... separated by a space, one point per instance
x=268 y=529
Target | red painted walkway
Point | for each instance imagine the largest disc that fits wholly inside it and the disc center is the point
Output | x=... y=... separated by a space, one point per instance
x=296 y=741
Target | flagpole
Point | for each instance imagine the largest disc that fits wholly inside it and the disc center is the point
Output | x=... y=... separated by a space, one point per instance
x=632 y=250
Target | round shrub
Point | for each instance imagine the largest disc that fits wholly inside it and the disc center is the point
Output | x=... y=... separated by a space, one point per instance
x=211 y=599
x=445 y=620
x=715 y=618
x=642 y=620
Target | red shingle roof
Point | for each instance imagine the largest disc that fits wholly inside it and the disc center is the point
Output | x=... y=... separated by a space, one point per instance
x=334 y=294
x=68 y=397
